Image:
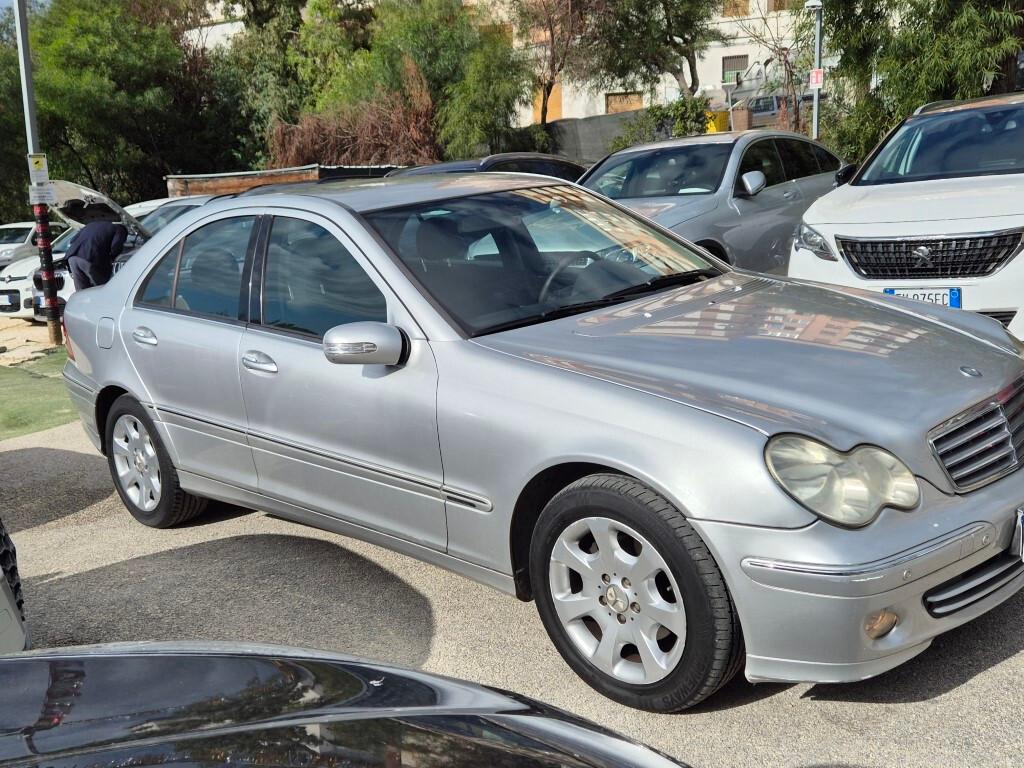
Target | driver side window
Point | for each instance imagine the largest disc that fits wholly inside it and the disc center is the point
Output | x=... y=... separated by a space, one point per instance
x=762 y=156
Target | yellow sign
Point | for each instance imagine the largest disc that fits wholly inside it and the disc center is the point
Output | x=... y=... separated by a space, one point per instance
x=38 y=172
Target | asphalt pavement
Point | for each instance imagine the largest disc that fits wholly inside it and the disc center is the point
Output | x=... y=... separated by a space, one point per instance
x=94 y=575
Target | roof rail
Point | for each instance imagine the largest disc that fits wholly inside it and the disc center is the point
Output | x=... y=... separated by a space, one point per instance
x=932 y=105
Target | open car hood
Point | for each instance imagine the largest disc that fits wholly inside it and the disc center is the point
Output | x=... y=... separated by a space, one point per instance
x=79 y=205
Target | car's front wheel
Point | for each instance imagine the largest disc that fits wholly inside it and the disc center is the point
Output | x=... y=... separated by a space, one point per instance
x=142 y=470
x=631 y=596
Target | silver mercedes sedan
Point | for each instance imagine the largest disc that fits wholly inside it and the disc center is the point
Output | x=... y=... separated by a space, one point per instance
x=691 y=469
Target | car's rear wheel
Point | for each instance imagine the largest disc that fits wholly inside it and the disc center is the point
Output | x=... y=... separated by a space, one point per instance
x=142 y=470
x=631 y=596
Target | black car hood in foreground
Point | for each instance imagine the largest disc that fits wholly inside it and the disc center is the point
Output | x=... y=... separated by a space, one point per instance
x=145 y=704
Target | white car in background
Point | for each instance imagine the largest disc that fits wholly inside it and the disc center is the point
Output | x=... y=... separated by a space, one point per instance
x=16 y=240
x=935 y=213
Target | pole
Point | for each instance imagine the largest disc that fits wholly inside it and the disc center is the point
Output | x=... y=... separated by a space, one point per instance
x=40 y=211
x=817 y=65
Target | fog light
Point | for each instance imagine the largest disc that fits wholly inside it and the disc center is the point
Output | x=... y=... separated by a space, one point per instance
x=880 y=623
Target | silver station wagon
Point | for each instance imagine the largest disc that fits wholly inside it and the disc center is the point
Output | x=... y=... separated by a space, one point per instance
x=691 y=469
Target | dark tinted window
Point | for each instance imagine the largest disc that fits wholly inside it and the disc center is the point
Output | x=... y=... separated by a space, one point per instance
x=798 y=158
x=761 y=156
x=160 y=283
x=967 y=142
x=826 y=160
x=312 y=283
x=694 y=169
x=565 y=171
x=210 y=272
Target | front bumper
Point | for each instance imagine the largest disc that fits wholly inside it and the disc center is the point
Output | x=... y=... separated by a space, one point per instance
x=19 y=304
x=803 y=617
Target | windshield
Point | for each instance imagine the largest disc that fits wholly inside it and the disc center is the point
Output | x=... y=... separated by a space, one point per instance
x=61 y=244
x=695 y=169
x=9 y=235
x=513 y=258
x=976 y=142
x=164 y=215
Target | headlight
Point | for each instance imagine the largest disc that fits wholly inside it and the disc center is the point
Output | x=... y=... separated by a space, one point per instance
x=845 y=488
x=810 y=239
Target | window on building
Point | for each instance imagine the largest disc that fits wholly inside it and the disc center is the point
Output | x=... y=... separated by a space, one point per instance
x=784 y=5
x=736 y=8
x=733 y=68
x=623 y=102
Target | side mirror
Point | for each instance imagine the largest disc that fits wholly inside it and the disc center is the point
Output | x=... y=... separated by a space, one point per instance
x=844 y=174
x=365 y=343
x=753 y=182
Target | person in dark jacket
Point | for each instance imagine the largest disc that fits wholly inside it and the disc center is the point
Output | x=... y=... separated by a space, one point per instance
x=92 y=253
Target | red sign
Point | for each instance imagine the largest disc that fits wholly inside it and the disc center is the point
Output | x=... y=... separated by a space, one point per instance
x=816 y=79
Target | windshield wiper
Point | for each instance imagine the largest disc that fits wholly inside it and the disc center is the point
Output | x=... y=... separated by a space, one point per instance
x=551 y=314
x=664 y=281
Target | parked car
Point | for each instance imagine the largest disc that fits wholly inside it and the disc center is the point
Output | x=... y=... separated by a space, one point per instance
x=691 y=469
x=508 y=162
x=18 y=240
x=141 y=210
x=154 y=704
x=17 y=279
x=737 y=195
x=933 y=214
x=13 y=636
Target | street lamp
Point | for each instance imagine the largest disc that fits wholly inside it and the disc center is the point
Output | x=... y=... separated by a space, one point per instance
x=816 y=5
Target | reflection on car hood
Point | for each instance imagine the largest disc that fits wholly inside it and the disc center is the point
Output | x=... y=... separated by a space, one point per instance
x=781 y=355
x=976 y=197
x=670 y=211
x=221 y=704
x=21 y=268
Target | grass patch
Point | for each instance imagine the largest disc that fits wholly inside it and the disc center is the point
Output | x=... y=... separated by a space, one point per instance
x=33 y=397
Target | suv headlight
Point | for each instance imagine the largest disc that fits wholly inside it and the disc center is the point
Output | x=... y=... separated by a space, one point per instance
x=845 y=488
x=810 y=239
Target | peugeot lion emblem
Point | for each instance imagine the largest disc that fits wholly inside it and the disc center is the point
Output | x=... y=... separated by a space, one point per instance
x=966 y=370
x=924 y=257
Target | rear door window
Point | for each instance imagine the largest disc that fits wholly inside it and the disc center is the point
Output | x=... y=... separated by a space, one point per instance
x=826 y=160
x=798 y=158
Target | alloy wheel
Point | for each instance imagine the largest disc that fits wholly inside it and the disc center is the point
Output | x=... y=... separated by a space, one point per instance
x=136 y=462
x=617 y=600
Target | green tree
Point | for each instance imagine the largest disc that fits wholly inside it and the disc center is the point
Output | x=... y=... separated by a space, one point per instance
x=479 y=111
x=914 y=52
x=13 y=170
x=636 y=42
x=686 y=116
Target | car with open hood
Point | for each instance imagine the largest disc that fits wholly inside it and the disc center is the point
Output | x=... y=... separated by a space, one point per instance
x=692 y=469
x=158 y=704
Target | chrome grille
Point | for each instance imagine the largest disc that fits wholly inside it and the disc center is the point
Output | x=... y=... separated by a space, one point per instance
x=924 y=258
x=974 y=585
x=1003 y=316
x=984 y=442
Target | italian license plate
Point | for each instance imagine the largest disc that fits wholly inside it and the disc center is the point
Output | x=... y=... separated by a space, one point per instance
x=8 y=300
x=38 y=301
x=944 y=297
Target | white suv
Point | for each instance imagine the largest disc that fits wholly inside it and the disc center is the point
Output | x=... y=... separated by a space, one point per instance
x=935 y=213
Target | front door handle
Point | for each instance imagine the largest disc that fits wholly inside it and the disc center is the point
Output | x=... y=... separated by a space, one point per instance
x=143 y=335
x=255 y=360
x=788 y=194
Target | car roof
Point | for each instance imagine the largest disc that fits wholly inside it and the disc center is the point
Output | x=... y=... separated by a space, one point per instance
x=188 y=200
x=18 y=224
x=362 y=195
x=965 y=105
x=723 y=137
x=480 y=163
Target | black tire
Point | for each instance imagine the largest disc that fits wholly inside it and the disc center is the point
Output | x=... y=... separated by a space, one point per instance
x=9 y=565
x=713 y=650
x=175 y=505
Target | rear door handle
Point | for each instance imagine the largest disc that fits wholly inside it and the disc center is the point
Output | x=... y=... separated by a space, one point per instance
x=143 y=335
x=255 y=360
x=788 y=194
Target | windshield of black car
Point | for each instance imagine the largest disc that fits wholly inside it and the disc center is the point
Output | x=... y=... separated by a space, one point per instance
x=693 y=169
x=512 y=257
x=973 y=142
x=10 y=235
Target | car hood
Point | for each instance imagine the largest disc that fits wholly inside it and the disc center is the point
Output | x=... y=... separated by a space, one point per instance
x=780 y=355
x=20 y=268
x=670 y=211
x=79 y=205
x=154 y=704
x=941 y=200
